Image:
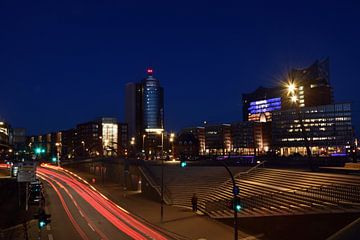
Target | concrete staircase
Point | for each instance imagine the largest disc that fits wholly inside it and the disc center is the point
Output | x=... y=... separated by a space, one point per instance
x=263 y=192
x=269 y=192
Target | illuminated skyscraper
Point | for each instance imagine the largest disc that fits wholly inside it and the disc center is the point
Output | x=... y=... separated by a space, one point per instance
x=153 y=104
x=144 y=111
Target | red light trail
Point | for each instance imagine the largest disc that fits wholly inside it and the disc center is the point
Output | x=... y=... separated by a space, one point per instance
x=119 y=217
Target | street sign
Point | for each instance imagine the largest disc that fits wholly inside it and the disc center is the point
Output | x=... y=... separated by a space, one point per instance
x=26 y=172
x=26 y=176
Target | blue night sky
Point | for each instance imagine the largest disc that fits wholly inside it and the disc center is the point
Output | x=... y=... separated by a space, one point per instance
x=66 y=62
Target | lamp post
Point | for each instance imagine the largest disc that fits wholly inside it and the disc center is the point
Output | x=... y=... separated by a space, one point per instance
x=292 y=92
x=162 y=177
x=132 y=143
x=143 y=143
x=58 y=153
x=172 y=135
x=235 y=193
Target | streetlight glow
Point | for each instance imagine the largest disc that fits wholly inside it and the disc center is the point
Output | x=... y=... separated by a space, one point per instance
x=294 y=98
x=291 y=87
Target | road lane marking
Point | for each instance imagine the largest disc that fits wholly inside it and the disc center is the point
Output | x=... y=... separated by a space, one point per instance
x=50 y=236
x=91 y=227
x=81 y=213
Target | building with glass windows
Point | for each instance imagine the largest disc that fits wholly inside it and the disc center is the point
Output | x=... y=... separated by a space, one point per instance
x=311 y=85
x=4 y=133
x=144 y=113
x=251 y=138
x=98 y=138
x=5 y=139
x=199 y=134
x=328 y=129
x=258 y=105
x=217 y=139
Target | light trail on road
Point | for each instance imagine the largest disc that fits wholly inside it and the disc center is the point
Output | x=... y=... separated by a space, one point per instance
x=70 y=216
x=81 y=211
x=117 y=216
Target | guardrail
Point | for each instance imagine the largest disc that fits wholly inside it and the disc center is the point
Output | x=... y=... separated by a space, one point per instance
x=336 y=193
x=147 y=173
x=331 y=195
x=254 y=168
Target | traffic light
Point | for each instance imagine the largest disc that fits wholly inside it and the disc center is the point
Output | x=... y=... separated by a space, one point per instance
x=37 y=150
x=235 y=204
x=53 y=159
x=43 y=219
x=183 y=162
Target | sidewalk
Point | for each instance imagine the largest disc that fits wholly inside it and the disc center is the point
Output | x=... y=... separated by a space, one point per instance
x=179 y=223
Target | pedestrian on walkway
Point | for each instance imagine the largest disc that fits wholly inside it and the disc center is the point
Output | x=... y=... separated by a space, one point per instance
x=194 y=201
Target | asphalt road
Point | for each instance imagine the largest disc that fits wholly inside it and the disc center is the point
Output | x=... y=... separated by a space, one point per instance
x=80 y=212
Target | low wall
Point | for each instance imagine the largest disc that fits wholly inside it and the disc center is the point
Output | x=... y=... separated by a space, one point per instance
x=110 y=170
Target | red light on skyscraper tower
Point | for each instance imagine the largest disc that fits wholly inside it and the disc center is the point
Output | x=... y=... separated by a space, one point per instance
x=149 y=71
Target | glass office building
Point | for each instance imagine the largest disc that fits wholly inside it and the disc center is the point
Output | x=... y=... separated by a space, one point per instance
x=328 y=129
x=153 y=105
x=144 y=113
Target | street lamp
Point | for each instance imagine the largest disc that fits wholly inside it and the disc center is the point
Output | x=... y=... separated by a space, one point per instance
x=162 y=176
x=294 y=99
x=132 y=143
x=160 y=132
x=292 y=92
x=172 y=136
x=58 y=145
x=291 y=87
x=143 y=143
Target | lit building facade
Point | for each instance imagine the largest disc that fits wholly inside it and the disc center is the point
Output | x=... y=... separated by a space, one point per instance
x=67 y=144
x=144 y=113
x=88 y=140
x=98 y=138
x=109 y=136
x=217 y=139
x=258 y=105
x=186 y=144
x=311 y=84
x=328 y=129
x=4 y=134
x=251 y=138
x=199 y=134
x=5 y=139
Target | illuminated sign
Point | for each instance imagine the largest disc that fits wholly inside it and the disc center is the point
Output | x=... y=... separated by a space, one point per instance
x=267 y=105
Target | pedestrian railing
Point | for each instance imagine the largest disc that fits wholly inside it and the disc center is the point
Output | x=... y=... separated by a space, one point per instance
x=336 y=193
x=150 y=178
x=311 y=199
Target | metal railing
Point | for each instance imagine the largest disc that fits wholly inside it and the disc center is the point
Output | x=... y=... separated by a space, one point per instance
x=151 y=179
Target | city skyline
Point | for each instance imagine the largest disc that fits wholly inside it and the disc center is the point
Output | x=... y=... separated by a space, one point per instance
x=204 y=59
x=179 y=119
